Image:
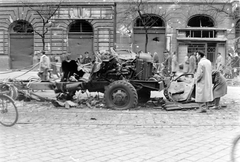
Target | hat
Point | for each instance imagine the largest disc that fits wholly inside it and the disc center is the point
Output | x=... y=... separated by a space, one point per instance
x=165 y=51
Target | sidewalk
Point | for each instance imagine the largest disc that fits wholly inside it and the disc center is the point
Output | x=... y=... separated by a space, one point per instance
x=20 y=75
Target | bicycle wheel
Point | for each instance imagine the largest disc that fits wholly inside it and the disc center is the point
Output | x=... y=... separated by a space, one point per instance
x=235 y=153
x=8 y=111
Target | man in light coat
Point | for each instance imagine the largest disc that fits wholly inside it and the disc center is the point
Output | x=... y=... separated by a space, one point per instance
x=44 y=67
x=203 y=80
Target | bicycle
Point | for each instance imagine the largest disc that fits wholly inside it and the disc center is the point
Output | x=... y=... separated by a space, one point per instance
x=8 y=110
x=235 y=149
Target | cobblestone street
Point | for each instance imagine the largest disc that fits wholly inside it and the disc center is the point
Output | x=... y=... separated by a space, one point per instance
x=116 y=143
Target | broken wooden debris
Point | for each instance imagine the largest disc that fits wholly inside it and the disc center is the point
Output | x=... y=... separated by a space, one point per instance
x=180 y=106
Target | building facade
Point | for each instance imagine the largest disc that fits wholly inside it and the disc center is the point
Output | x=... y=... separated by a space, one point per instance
x=75 y=28
x=78 y=26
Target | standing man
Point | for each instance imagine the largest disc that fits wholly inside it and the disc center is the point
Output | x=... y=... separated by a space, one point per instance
x=219 y=88
x=203 y=81
x=192 y=64
x=219 y=63
x=44 y=67
x=167 y=63
x=155 y=61
x=174 y=63
x=186 y=64
x=87 y=59
x=80 y=59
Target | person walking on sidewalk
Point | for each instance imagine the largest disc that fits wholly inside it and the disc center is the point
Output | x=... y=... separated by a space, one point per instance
x=203 y=81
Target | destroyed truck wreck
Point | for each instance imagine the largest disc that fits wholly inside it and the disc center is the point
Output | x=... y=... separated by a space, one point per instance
x=123 y=82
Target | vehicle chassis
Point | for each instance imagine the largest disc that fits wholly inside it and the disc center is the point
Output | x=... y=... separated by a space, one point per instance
x=131 y=91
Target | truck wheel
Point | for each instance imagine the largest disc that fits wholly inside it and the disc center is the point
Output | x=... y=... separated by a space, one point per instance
x=13 y=92
x=121 y=95
x=143 y=95
x=166 y=94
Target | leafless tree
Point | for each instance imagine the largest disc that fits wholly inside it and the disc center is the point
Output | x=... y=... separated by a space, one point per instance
x=45 y=11
x=220 y=7
x=226 y=8
x=143 y=9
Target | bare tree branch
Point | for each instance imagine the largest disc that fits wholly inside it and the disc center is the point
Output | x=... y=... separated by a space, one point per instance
x=143 y=11
x=45 y=12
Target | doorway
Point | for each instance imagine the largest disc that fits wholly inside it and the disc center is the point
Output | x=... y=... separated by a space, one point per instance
x=21 y=44
x=80 y=38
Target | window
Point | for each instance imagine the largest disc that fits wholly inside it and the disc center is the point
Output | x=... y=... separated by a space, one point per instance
x=149 y=20
x=201 y=21
x=80 y=26
x=21 y=26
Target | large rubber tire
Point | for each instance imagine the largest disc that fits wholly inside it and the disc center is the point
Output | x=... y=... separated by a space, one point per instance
x=144 y=95
x=166 y=94
x=120 y=95
x=8 y=111
x=10 y=89
x=13 y=92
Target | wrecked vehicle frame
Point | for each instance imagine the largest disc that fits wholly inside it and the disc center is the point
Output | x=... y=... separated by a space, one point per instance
x=124 y=85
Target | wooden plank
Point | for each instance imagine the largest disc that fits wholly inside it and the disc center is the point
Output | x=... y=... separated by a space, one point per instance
x=180 y=106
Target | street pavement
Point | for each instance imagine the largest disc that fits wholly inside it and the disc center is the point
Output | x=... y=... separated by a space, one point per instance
x=45 y=133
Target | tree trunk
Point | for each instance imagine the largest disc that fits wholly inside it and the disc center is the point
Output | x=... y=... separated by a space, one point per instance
x=43 y=42
x=43 y=35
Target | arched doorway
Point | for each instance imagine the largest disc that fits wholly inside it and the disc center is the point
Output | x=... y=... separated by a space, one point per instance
x=155 y=33
x=21 y=44
x=209 y=47
x=80 y=38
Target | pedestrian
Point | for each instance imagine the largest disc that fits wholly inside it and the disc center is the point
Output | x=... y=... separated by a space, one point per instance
x=197 y=60
x=167 y=63
x=174 y=63
x=203 y=81
x=44 y=67
x=87 y=59
x=186 y=64
x=219 y=63
x=80 y=59
x=219 y=88
x=54 y=66
x=228 y=67
x=235 y=65
x=69 y=68
x=155 y=61
x=192 y=64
